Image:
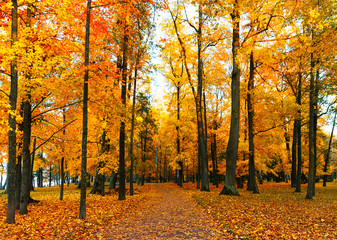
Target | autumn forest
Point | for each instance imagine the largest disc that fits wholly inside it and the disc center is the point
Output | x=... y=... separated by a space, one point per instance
x=119 y=115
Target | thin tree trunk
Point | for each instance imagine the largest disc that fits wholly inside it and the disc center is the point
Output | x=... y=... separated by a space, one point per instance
x=294 y=154
x=132 y=129
x=316 y=91
x=11 y=171
x=311 y=173
x=251 y=185
x=327 y=156
x=32 y=166
x=82 y=212
x=62 y=159
x=233 y=143
x=18 y=179
x=180 y=163
x=299 y=136
x=214 y=154
x=121 y=192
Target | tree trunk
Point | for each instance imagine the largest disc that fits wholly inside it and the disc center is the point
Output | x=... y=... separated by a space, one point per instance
x=121 y=191
x=201 y=135
x=18 y=179
x=144 y=158
x=233 y=143
x=214 y=154
x=315 y=125
x=299 y=136
x=180 y=163
x=113 y=180
x=251 y=185
x=327 y=156
x=27 y=121
x=25 y=184
x=82 y=213
x=11 y=171
x=31 y=180
x=62 y=159
x=50 y=177
x=311 y=173
x=294 y=154
x=132 y=128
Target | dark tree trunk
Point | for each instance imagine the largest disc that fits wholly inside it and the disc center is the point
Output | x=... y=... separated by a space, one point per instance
x=32 y=166
x=299 y=136
x=294 y=154
x=121 y=191
x=25 y=184
x=18 y=180
x=113 y=180
x=82 y=212
x=311 y=173
x=144 y=158
x=11 y=171
x=287 y=140
x=62 y=159
x=233 y=143
x=251 y=185
x=50 y=177
x=199 y=169
x=62 y=179
x=214 y=154
x=27 y=121
x=201 y=135
x=132 y=158
x=327 y=156
x=180 y=163
x=315 y=125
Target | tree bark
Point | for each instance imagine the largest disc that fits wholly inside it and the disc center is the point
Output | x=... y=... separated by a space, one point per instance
x=82 y=213
x=294 y=154
x=316 y=91
x=299 y=136
x=62 y=159
x=121 y=191
x=32 y=166
x=11 y=171
x=132 y=158
x=251 y=185
x=201 y=135
x=25 y=184
x=233 y=143
x=311 y=173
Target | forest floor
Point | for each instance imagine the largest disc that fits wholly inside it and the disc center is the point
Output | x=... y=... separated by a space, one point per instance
x=165 y=211
x=168 y=214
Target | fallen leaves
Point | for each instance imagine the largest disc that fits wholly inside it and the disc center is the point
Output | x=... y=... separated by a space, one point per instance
x=55 y=219
x=277 y=212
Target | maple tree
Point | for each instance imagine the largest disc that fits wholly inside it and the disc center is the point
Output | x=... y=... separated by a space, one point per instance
x=250 y=87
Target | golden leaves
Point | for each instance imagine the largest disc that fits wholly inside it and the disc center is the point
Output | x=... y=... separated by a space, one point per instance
x=278 y=213
x=54 y=219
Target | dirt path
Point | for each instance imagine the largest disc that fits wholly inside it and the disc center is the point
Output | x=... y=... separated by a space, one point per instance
x=168 y=214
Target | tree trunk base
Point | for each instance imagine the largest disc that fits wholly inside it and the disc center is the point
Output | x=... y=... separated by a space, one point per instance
x=231 y=191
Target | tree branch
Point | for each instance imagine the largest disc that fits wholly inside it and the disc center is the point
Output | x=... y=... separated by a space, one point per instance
x=55 y=108
x=54 y=134
x=43 y=98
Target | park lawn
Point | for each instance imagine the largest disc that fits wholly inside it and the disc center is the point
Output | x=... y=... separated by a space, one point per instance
x=276 y=213
x=55 y=219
